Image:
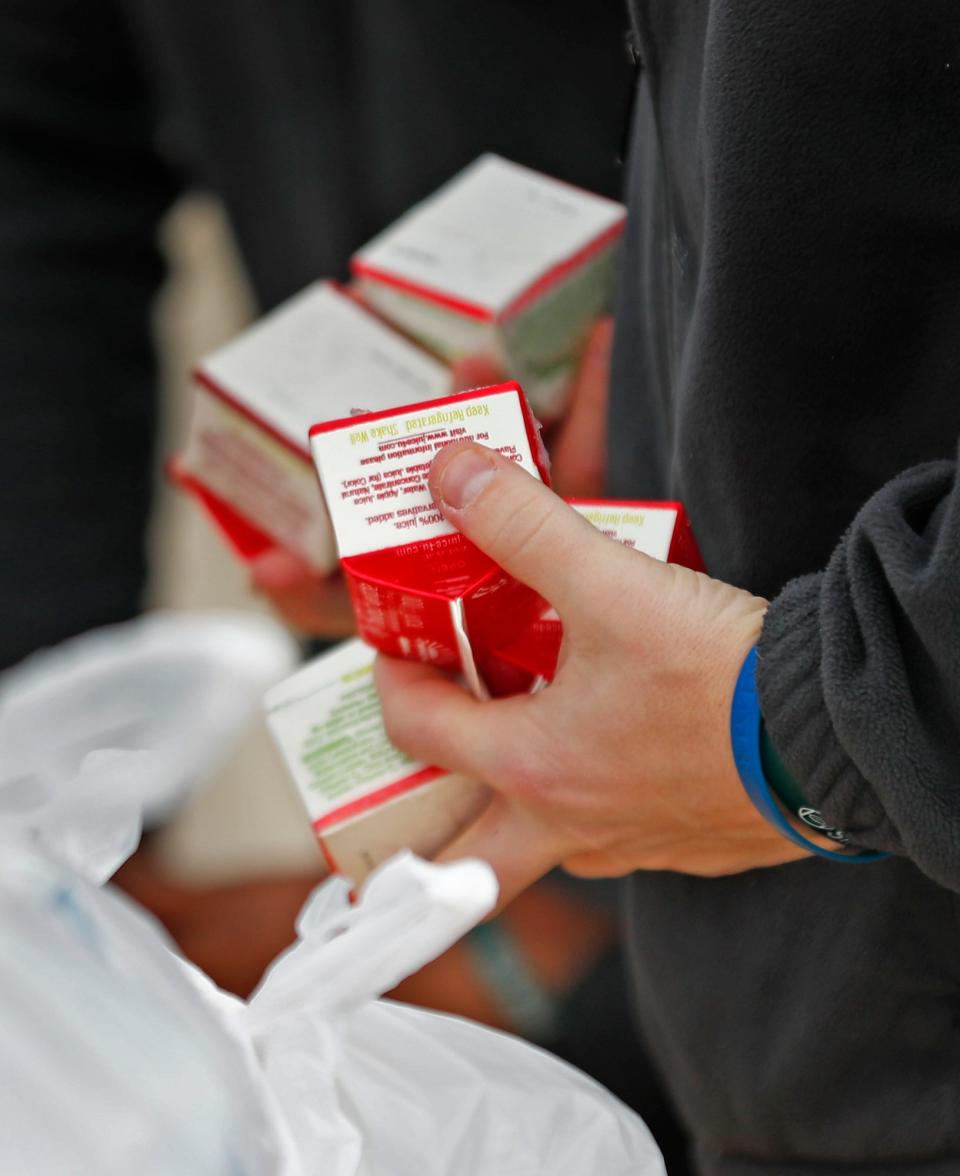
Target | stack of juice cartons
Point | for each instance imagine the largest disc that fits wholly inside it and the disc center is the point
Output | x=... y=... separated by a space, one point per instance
x=501 y=262
x=423 y=591
x=246 y=456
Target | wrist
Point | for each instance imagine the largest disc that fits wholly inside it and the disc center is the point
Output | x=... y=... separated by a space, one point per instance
x=790 y=794
x=771 y=788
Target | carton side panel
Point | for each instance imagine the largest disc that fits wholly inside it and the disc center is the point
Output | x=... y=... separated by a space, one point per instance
x=684 y=549
x=327 y=724
x=544 y=335
x=424 y=820
x=246 y=540
x=537 y=649
x=374 y=468
x=259 y=478
x=498 y=611
x=647 y=527
x=400 y=622
x=271 y=487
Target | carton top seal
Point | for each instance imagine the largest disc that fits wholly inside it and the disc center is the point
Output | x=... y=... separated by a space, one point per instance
x=318 y=351
x=487 y=236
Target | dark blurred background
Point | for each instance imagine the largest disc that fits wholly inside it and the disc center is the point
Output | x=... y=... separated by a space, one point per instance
x=168 y=170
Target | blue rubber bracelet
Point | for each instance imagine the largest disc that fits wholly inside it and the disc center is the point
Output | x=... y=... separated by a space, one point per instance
x=745 y=737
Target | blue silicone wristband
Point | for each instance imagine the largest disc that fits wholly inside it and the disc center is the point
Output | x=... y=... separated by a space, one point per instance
x=745 y=737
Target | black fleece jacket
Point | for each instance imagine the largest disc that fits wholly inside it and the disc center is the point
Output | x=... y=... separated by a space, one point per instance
x=788 y=352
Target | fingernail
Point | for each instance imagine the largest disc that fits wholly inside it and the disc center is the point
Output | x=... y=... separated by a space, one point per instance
x=464 y=477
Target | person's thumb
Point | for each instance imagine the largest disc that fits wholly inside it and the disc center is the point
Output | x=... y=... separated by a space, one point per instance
x=517 y=521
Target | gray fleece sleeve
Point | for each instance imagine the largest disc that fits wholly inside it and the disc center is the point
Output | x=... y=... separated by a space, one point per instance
x=859 y=674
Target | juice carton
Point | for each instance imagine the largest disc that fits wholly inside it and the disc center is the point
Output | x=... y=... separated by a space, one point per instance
x=420 y=589
x=501 y=261
x=366 y=799
x=247 y=457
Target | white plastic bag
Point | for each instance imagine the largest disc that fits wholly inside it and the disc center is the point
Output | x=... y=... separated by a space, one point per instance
x=117 y=1056
x=179 y=684
x=419 y=1093
x=113 y=1058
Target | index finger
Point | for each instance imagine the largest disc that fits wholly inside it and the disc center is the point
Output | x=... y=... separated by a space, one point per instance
x=433 y=720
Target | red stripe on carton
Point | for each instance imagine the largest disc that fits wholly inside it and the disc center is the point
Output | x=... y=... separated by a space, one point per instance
x=373 y=273
x=375 y=799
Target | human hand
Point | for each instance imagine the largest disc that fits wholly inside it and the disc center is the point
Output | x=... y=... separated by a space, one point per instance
x=624 y=762
x=317 y=606
x=577 y=443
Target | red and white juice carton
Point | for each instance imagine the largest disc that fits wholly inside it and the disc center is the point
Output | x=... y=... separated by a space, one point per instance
x=420 y=589
x=501 y=261
x=247 y=455
x=658 y=529
x=366 y=800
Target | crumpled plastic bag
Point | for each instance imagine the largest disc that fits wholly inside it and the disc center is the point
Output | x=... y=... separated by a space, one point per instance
x=413 y=1092
x=113 y=1058
x=181 y=685
x=118 y=1056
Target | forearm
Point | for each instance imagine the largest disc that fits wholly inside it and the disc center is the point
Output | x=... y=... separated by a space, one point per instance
x=859 y=674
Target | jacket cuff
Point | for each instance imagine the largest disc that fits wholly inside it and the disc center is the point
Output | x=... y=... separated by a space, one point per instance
x=796 y=715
